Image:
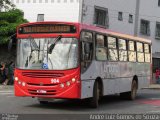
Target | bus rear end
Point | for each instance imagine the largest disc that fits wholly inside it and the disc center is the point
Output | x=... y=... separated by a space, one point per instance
x=47 y=64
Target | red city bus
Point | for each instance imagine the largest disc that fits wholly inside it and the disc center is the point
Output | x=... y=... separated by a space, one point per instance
x=75 y=61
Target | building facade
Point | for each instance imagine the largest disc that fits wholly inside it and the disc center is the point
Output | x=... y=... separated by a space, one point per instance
x=135 y=17
x=49 y=10
x=149 y=26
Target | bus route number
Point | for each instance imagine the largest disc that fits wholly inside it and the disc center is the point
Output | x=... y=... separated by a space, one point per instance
x=54 y=81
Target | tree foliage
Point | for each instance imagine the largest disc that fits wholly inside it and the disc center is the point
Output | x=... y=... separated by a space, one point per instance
x=8 y=22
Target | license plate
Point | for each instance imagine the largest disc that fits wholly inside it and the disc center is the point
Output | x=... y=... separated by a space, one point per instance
x=41 y=91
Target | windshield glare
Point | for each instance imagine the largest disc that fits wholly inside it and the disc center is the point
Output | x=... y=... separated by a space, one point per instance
x=33 y=53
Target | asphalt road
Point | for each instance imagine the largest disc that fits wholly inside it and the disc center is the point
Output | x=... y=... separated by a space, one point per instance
x=147 y=102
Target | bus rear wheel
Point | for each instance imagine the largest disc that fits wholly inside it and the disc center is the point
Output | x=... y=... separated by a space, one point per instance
x=96 y=95
x=132 y=94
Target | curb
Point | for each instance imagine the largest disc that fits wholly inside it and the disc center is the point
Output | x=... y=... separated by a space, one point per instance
x=154 y=86
x=6 y=87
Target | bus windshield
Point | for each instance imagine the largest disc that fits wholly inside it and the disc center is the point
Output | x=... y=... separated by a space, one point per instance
x=35 y=53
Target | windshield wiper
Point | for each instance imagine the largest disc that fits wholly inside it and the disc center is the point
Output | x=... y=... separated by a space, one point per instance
x=34 y=45
x=50 y=49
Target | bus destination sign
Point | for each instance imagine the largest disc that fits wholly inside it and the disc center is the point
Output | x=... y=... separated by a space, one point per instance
x=47 y=28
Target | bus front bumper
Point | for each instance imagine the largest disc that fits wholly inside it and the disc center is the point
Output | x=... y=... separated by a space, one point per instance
x=70 y=92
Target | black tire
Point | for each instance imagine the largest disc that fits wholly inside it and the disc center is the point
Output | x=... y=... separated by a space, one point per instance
x=132 y=94
x=43 y=102
x=96 y=94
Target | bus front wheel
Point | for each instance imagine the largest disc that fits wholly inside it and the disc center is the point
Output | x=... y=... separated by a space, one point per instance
x=96 y=94
x=132 y=94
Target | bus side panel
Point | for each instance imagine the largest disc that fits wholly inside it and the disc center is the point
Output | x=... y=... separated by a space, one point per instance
x=87 y=88
x=87 y=80
x=116 y=77
x=143 y=72
x=104 y=70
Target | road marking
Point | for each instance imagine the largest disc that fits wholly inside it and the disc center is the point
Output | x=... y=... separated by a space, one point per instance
x=153 y=102
x=6 y=92
x=10 y=96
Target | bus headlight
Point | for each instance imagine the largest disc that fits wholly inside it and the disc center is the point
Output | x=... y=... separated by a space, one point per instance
x=73 y=79
x=68 y=83
x=19 y=82
x=62 y=85
x=16 y=78
x=23 y=84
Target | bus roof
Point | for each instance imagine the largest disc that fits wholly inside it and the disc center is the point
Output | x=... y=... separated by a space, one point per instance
x=94 y=28
x=112 y=33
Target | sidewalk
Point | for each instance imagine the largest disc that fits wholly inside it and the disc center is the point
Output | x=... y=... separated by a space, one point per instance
x=6 y=87
x=153 y=86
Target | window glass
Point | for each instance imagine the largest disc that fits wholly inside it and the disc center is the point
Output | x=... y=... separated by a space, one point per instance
x=113 y=55
x=146 y=48
x=100 y=40
x=122 y=55
x=86 y=50
x=122 y=44
x=140 y=57
x=101 y=16
x=132 y=56
x=131 y=45
x=38 y=53
x=157 y=30
x=147 y=57
x=101 y=53
x=86 y=36
x=120 y=16
x=139 y=47
x=111 y=42
x=40 y=17
x=101 y=50
x=145 y=27
x=130 y=18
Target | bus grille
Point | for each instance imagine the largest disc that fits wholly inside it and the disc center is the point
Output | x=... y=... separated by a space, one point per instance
x=42 y=74
x=36 y=84
x=36 y=92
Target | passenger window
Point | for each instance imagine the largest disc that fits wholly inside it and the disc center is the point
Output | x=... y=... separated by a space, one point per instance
x=122 y=44
x=101 y=50
x=111 y=42
x=139 y=47
x=146 y=48
x=140 y=57
x=99 y=40
x=122 y=50
x=132 y=56
x=101 y=53
x=131 y=46
x=112 y=45
x=131 y=51
x=140 y=54
x=113 y=55
x=147 y=53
